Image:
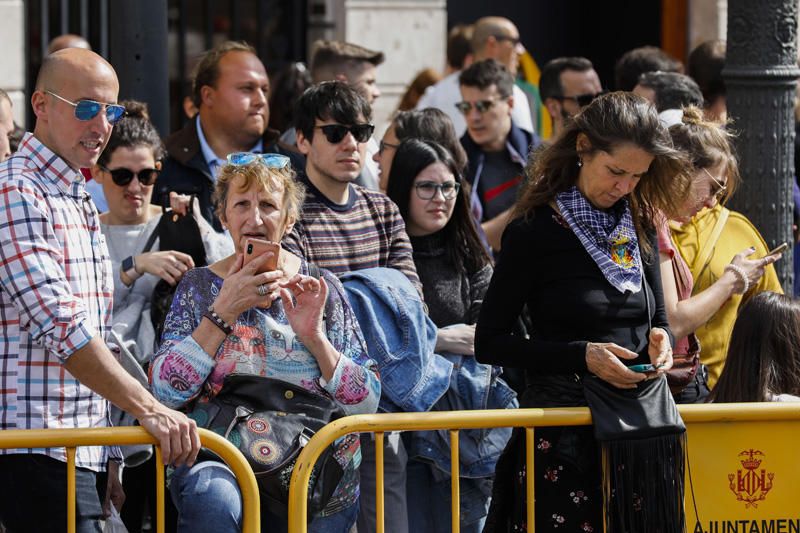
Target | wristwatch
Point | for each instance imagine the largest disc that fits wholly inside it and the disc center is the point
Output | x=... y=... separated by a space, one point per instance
x=129 y=267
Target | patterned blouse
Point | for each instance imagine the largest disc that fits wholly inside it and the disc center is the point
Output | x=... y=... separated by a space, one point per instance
x=263 y=343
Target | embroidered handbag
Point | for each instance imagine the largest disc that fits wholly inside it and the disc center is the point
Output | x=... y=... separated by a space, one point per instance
x=270 y=421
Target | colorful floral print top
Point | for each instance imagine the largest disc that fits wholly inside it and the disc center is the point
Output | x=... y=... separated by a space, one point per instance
x=263 y=343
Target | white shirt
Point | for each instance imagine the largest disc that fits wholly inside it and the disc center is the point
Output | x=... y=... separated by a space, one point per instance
x=445 y=94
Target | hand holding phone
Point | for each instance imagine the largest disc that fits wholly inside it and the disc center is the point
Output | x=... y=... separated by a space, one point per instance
x=642 y=368
x=257 y=247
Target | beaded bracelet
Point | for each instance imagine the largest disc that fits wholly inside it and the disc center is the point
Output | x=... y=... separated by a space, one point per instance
x=740 y=273
x=215 y=319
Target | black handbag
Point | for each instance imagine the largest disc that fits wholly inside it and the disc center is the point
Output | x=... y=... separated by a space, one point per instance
x=643 y=451
x=270 y=421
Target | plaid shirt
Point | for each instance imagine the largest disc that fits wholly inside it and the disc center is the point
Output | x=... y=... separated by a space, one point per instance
x=55 y=295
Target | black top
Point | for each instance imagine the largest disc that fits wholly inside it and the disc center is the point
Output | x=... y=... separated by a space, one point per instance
x=543 y=264
x=452 y=296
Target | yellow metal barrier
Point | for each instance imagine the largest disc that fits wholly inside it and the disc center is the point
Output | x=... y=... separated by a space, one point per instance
x=721 y=437
x=124 y=436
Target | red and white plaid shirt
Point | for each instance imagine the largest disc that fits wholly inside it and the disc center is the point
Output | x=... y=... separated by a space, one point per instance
x=55 y=295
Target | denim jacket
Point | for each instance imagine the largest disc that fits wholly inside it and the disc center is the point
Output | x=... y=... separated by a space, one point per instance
x=473 y=385
x=400 y=337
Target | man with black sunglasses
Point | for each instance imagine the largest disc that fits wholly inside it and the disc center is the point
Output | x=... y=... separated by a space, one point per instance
x=55 y=298
x=344 y=228
x=231 y=91
x=566 y=86
x=496 y=148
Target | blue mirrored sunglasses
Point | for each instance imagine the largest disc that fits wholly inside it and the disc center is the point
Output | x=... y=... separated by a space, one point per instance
x=88 y=109
x=239 y=159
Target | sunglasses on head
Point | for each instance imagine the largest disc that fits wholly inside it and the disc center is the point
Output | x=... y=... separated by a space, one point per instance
x=482 y=106
x=583 y=99
x=123 y=176
x=239 y=159
x=336 y=132
x=88 y=109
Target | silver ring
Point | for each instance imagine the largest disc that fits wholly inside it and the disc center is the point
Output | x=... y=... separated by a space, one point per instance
x=262 y=290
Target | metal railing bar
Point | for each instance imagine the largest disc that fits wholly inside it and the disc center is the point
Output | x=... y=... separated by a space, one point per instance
x=379 y=492
x=455 y=486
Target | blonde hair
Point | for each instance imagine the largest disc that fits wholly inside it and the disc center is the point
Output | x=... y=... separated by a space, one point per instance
x=706 y=144
x=269 y=179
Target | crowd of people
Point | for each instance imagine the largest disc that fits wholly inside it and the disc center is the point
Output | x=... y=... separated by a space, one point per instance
x=461 y=261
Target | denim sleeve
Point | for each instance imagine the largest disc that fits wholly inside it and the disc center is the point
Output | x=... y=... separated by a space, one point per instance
x=355 y=384
x=180 y=366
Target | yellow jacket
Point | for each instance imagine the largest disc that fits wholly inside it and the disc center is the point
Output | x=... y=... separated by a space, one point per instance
x=737 y=235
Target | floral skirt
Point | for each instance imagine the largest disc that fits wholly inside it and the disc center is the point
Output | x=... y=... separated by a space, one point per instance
x=567 y=486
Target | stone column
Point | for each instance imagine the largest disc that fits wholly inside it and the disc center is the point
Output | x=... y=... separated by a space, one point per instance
x=760 y=76
x=12 y=60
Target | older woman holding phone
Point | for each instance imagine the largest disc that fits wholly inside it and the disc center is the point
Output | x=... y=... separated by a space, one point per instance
x=581 y=253
x=280 y=323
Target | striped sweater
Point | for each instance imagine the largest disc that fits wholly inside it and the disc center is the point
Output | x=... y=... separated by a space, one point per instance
x=366 y=232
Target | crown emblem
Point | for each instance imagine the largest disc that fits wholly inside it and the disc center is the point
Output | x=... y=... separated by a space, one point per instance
x=752 y=484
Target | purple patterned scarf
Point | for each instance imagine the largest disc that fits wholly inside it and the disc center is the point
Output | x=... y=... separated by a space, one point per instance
x=609 y=237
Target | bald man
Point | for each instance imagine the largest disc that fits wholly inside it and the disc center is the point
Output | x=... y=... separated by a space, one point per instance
x=55 y=303
x=6 y=125
x=68 y=40
x=492 y=38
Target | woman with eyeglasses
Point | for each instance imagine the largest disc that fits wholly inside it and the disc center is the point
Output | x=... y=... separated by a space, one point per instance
x=455 y=270
x=269 y=318
x=713 y=260
x=127 y=170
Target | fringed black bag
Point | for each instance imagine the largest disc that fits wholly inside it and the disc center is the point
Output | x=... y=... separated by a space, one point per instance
x=643 y=441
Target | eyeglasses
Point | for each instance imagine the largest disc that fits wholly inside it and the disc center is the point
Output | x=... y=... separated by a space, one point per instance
x=513 y=40
x=88 y=109
x=481 y=105
x=384 y=145
x=426 y=190
x=240 y=159
x=336 y=132
x=719 y=190
x=582 y=99
x=123 y=176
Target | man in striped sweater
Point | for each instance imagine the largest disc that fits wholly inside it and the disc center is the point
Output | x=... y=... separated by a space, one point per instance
x=345 y=227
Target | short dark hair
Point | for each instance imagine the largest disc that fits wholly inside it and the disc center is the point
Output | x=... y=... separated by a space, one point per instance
x=328 y=58
x=330 y=100
x=636 y=62
x=134 y=130
x=207 y=70
x=705 y=66
x=484 y=74
x=672 y=89
x=431 y=124
x=550 y=80
x=463 y=247
x=459 y=45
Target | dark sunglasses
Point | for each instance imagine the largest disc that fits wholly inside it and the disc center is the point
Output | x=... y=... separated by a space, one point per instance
x=481 y=105
x=583 y=99
x=123 y=176
x=513 y=40
x=88 y=109
x=336 y=132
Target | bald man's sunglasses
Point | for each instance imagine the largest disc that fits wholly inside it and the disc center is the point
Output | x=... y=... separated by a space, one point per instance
x=88 y=109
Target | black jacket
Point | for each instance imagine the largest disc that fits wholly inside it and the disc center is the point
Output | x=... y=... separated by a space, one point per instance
x=185 y=169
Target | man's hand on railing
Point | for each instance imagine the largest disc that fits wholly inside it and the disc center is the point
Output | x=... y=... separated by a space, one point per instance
x=176 y=433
